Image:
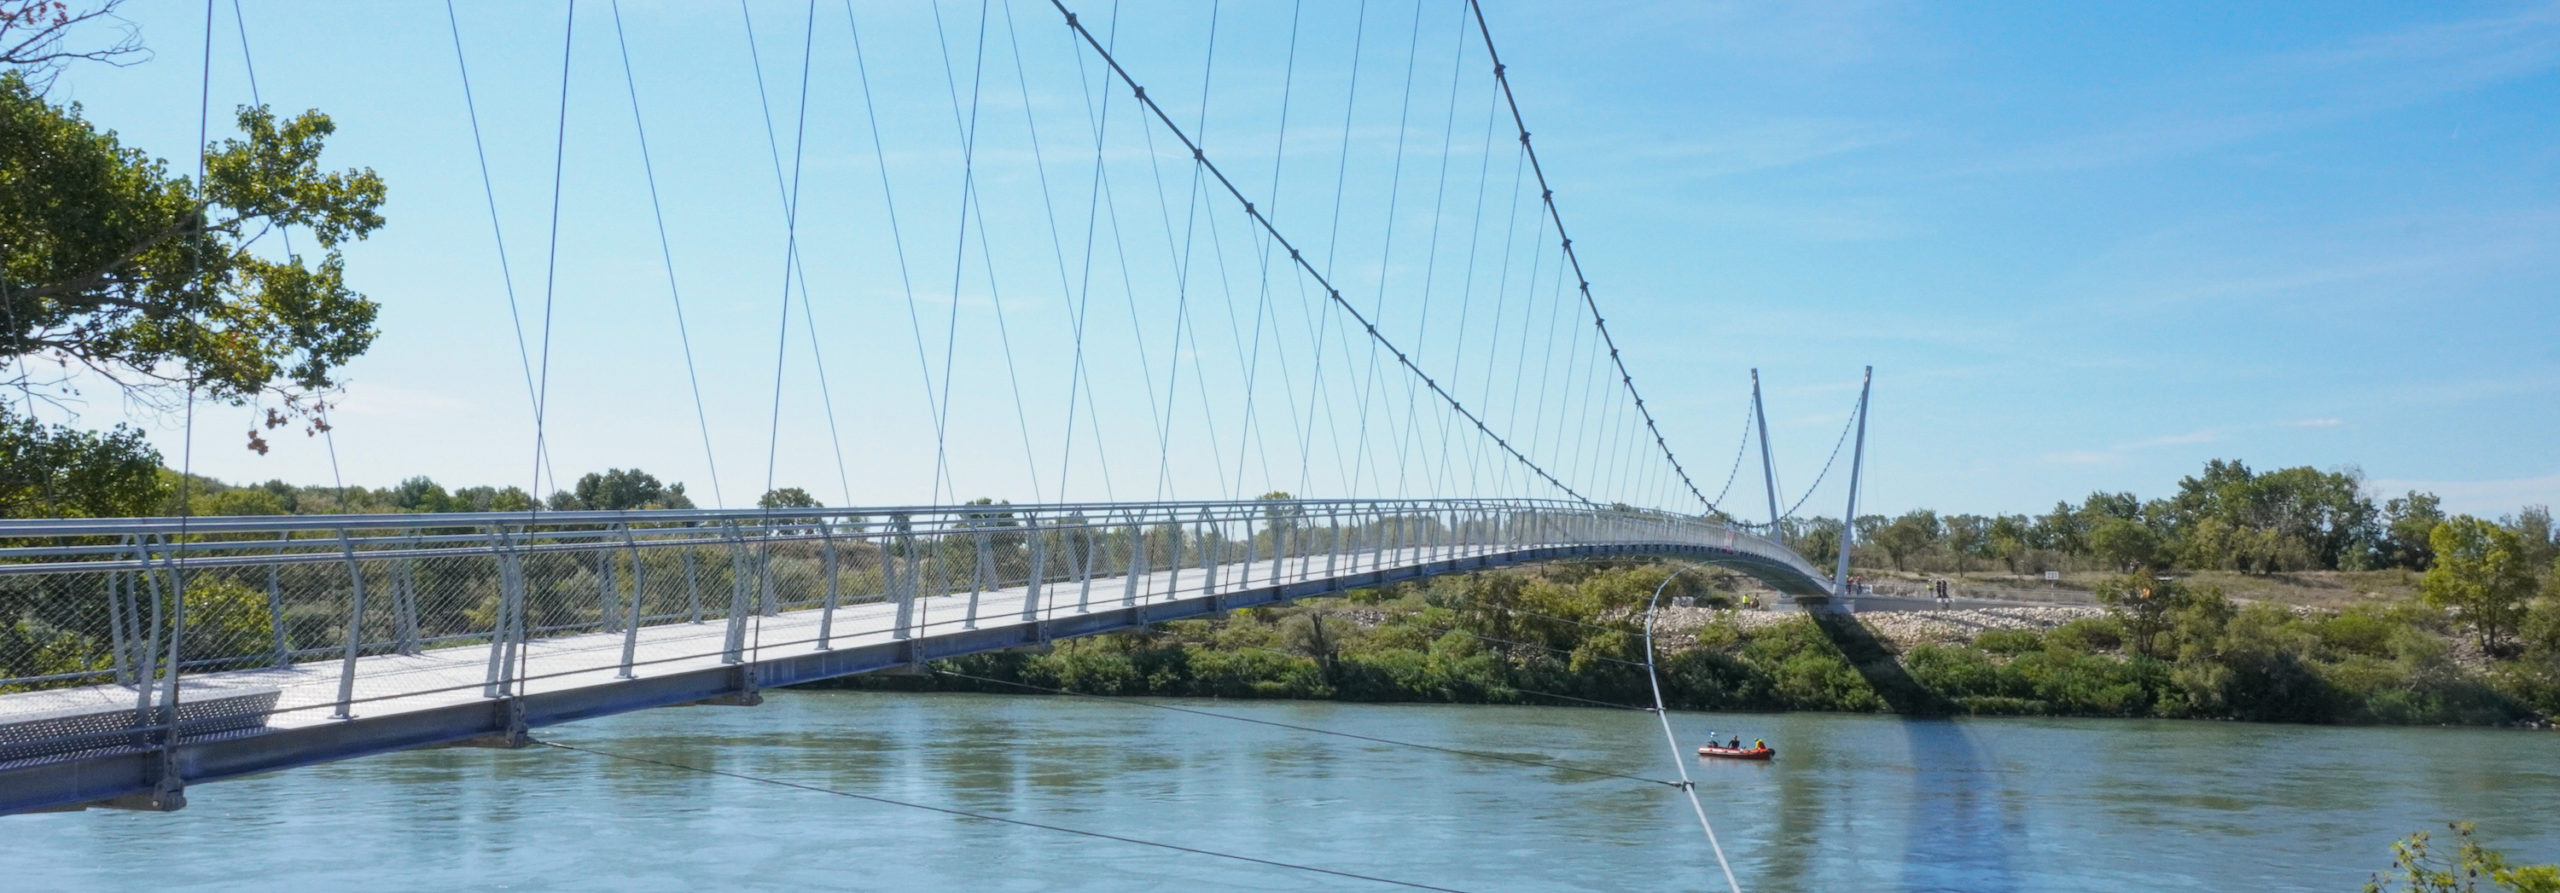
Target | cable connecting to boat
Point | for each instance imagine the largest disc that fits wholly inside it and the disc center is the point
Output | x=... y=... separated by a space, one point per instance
x=1678 y=760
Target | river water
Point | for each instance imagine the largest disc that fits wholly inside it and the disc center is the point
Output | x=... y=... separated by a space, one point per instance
x=1852 y=803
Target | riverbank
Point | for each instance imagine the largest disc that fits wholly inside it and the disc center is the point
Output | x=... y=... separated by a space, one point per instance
x=1572 y=634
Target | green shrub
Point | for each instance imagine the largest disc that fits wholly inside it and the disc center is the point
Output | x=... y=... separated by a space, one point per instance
x=2088 y=635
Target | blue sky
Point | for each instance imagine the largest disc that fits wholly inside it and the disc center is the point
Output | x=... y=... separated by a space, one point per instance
x=2085 y=246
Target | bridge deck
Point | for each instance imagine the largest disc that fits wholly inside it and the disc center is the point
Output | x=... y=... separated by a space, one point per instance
x=437 y=696
x=441 y=677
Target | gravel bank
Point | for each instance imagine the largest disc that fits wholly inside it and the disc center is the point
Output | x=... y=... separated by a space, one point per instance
x=1902 y=630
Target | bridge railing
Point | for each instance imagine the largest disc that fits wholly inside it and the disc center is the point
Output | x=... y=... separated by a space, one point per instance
x=121 y=610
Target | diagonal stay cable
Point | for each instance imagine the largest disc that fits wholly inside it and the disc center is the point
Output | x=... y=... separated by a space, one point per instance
x=489 y=191
x=328 y=432
x=1296 y=256
x=987 y=817
x=788 y=190
x=551 y=266
x=666 y=252
x=1477 y=754
x=1548 y=195
x=897 y=237
x=1057 y=252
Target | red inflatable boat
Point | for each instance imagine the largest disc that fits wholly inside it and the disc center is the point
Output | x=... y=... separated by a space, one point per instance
x=1736 y=753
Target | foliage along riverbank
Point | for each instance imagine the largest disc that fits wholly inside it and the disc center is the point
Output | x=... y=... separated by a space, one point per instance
x=1572 y=634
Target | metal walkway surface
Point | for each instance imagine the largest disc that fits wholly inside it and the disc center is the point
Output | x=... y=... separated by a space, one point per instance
x=582 y=615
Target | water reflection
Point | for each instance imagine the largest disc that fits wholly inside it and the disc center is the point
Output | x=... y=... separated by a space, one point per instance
x=1957 y=827
x=1852 y=803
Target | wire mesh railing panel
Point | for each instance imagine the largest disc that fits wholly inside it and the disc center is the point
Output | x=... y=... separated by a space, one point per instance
x=304 y=619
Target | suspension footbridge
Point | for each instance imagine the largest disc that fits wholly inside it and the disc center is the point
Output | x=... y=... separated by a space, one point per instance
x=483 y=627
x=147 y=654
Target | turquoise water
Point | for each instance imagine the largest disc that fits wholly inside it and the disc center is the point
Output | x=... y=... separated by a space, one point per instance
x=1852 y=803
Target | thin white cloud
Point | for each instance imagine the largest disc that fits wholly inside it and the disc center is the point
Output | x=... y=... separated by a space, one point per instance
x=2314 y=423
x=2119 y=452
x=2189 y=438
x=2485 y=498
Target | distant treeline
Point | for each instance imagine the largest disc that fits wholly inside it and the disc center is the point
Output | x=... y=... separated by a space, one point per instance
x=1571 y=634
x=2227 y=518
x=611 y=489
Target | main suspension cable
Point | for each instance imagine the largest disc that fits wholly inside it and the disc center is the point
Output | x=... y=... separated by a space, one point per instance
x=1548 y=195
x=1295 y=255
x=1826 y=468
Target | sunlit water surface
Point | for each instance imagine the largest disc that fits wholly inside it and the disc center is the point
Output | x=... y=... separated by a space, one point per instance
x=1852 y=803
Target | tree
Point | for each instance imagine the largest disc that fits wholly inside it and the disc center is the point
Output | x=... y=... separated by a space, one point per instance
x=1907 y=535
x=2148 y=606
x=2125 y=544
x=50 y=471
x=2533 y=531
x=1819 y=541
x=787 y=498
x=2406 y=524
x=1968 y=536
x=110 y=263
x=2009 y=535
x=35 y=37
x=421 y=494
x=492 y=499
x=1283 y=513
x=2479 y=574
x=618 y=489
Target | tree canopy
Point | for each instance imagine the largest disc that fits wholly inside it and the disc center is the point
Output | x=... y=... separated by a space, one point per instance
x=153 y=281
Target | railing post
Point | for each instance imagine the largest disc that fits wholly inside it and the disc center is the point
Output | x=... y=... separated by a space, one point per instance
x=902 y=580
x=1173 y=559
x=404 y=578
x=275 y=621
x=772 y=604
x=827 y=612
x=1333 y=519
x=116 y=635
x=1084 y=568
x=168 y=786
x=355 y=629
x=692 y=587
x=1039 y=566
x=504 y=632
x=1208 y=557
x=1283 y=530
x=146 y=662
x=733 y=643
x=631 y=621
x=1137 y=557
x=982 y=574
x=1253 y=551
x=608 y=588
x=1371 y=540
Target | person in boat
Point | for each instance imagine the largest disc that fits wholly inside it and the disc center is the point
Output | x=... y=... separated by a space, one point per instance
x=1759 y=744
x=1735 y=744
